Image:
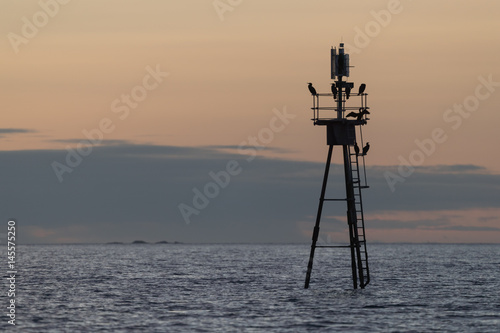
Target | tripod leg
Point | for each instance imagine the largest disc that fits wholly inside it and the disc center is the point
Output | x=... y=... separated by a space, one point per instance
x=318 y=217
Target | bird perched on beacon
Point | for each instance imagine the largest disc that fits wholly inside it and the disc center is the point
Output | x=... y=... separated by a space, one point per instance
x=361 y=113
x=362 y=88
x=334 y=91
x=311 y=89
x=356 y=148
x=358 y=115
x=366 y=148
x=347 y=91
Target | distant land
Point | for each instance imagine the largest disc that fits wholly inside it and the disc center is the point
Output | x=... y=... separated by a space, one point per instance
x=144 y=242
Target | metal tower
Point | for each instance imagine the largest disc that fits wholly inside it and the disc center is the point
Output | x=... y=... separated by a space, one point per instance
x=341 y=131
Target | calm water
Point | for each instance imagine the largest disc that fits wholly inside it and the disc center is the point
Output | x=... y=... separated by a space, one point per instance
x=255 y=288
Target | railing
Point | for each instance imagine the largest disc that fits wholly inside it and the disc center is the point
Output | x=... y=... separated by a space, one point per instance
x=334 y=115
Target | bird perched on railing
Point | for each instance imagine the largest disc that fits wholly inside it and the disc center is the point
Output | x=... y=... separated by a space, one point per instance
x=347 y=91
x=362 y=88
x=356 y=148
x=311 y=89
x=366 y=148
x=334 y=90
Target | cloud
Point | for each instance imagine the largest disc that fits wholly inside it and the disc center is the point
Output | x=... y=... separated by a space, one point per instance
x=122 y=192
x=429 y=224
x=6 y=131
x=469 y=228
x=83 y=141
x=451 y=168
x=431 y=189
x=412 y=224
x=488 y=218
x=237 y=148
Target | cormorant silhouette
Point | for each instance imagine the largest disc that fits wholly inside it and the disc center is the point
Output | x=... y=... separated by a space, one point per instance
x=347 y=92
x=366 y=148
x=362 y=88
x=358 y=115
x=356 y=148
x=334 y=90
x=311 y=89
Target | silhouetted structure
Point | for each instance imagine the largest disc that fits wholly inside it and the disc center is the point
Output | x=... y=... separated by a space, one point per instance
x=341 y=131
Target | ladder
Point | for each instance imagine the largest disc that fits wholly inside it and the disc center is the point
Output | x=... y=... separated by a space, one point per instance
x=358 y=241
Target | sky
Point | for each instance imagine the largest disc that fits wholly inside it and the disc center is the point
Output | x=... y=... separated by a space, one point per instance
x=190 y=120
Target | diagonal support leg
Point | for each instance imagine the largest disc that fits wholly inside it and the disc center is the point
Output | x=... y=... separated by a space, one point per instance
x=318 y=217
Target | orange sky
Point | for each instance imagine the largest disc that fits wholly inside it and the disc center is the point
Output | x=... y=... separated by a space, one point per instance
x=225 y=76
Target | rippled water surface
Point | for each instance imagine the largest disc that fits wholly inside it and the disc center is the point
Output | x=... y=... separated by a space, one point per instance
x=255 y=288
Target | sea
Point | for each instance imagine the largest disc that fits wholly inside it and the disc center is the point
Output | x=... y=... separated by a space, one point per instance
x=253 y=288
